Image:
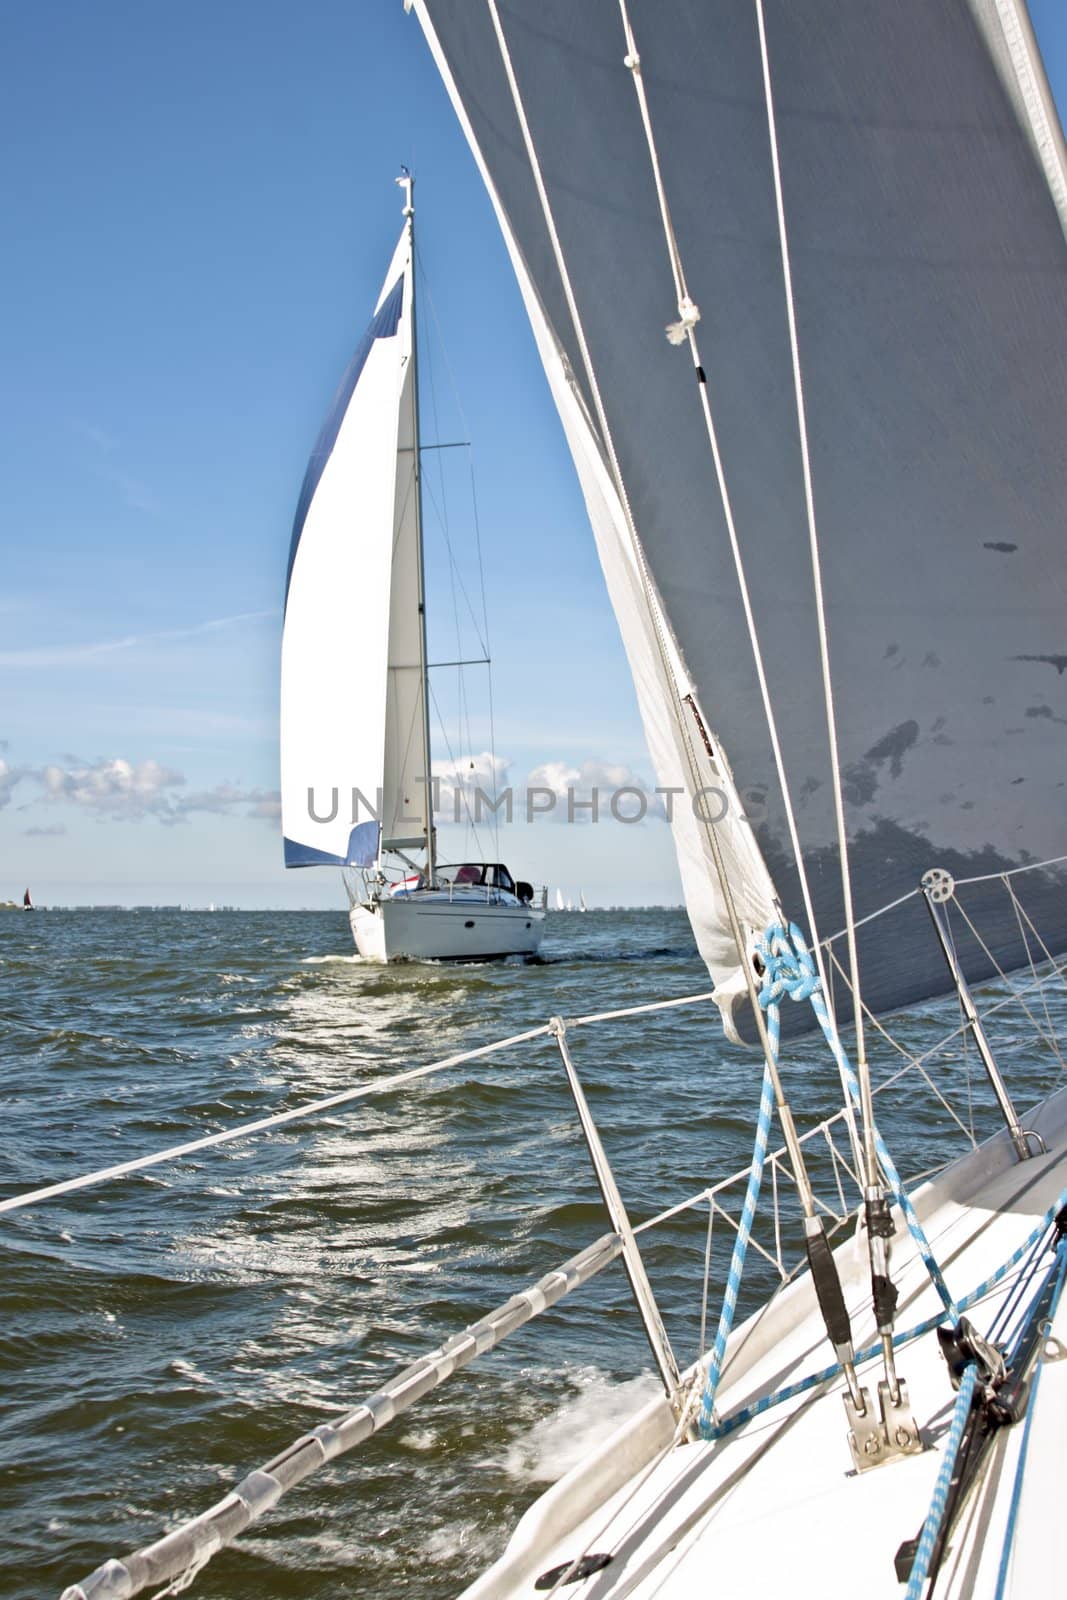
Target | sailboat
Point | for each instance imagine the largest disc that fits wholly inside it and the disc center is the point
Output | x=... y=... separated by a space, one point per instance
x=357 y=784
x=796 y=271
x=561 y=904
x=581 y=901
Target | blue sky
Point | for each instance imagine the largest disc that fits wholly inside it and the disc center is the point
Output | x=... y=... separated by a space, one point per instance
x=198 y=211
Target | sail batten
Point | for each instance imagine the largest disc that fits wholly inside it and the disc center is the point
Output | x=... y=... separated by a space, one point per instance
x=930 y=269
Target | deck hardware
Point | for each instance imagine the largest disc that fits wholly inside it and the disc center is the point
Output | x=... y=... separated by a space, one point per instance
x=865 y=1437
x=963 y=1346
x=898 y=1424
x=875 y=1437
x=573 y=1571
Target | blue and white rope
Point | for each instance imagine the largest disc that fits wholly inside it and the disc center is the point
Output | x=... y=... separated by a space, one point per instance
x=939 y=1499
x=744 y=1231
x=790 y=969
x=1017 y=1487
x=737 y=1419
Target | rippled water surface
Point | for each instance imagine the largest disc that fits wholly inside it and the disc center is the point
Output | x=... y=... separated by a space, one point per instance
x=163 y=1335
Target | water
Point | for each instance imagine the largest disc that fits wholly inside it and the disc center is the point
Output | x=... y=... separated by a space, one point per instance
x=165 y=1334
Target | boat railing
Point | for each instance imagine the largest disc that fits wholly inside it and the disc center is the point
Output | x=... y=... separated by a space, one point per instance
x=366 y=884
x=181 y=1553
x=1035 y=995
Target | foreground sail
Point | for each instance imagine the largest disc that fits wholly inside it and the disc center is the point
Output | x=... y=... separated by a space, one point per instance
x=923 y=175
x=357 y=788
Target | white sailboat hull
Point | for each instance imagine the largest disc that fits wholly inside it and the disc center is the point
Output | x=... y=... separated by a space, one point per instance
x=431 y=926
x=778 y=1503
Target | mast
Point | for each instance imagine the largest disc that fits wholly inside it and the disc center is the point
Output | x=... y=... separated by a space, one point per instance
x=407 y=183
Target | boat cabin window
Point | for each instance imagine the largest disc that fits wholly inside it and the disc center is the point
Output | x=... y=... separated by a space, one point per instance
x=493 y=876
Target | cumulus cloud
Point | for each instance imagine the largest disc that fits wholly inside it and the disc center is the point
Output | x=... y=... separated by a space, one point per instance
x=114 y=788
x=9 y=777
x=117 y=790
x=611 y=787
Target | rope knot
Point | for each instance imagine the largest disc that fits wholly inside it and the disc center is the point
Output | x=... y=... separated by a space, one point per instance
x=788 y=968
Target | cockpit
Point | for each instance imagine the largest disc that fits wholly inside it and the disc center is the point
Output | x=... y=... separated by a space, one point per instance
x=469 y=874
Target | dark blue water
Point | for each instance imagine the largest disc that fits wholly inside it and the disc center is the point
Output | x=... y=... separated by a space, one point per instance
x=165 y=1334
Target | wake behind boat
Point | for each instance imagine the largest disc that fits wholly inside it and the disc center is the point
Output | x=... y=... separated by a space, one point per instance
x=357 y=781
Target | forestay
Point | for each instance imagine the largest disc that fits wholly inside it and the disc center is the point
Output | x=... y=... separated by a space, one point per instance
x=921 y=168
x=352 y=714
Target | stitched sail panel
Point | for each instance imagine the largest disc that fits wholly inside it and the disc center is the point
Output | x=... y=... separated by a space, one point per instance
x=930 y=273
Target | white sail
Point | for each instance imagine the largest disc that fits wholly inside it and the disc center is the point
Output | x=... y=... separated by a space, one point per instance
x=404 y=800
x=351 y=702
x=703 y=804
x=932 y=333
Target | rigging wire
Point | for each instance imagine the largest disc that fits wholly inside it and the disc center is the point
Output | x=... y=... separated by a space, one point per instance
x=685 y=328
x=863 y=1071
x=458 y=784
x=637 y=551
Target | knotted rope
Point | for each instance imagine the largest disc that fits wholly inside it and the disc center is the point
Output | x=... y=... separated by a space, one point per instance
x=778 y=979
x=790 y=969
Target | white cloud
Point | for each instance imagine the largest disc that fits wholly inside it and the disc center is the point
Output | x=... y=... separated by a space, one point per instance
x=9 y=777
x=114 y=787
x=117 y=790
x=620 y=792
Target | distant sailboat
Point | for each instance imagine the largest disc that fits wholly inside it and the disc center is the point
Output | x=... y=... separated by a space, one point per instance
x=357 y=788
x=559 y=901
x=581 y=902
x=27 y=903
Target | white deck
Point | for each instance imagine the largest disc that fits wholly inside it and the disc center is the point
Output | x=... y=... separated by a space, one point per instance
x=736 y=1518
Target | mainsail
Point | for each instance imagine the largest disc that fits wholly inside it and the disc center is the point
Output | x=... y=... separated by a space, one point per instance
x=352 y=715
x=924 y=179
